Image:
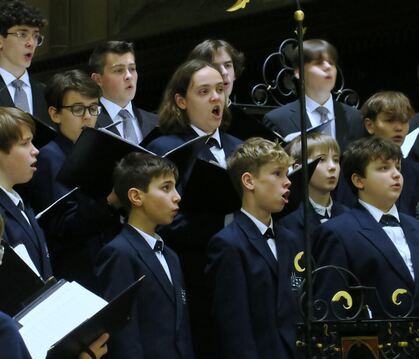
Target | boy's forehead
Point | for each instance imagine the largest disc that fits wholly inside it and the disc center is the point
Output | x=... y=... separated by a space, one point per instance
x=164 y=177
x=23 y=27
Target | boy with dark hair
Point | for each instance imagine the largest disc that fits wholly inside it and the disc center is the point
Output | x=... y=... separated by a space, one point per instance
x=20 y=26
x=320 y=59
x=373 y=240
x=249 y=261
x=322 y=183
x=76 y=232
x=387 y=114
x=114 y=70
x=159 y=327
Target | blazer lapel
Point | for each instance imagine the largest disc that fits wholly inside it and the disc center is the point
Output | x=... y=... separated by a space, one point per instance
x=412 y=241
x=340 y=123
x=228 y=146
x=104 y=120
x=5 y=98
x=176 y=274
x=373 y=232
x=295 y=116
x=257 y=240
x=149 y=258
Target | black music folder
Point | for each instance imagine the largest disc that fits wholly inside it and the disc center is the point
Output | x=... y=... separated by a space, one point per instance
x=19 y=282
x=67 y=318
x=44 y=131
x=90 y=165
x=209 y=190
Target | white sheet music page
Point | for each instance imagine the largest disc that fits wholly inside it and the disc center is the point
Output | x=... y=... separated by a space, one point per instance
x=57 y=315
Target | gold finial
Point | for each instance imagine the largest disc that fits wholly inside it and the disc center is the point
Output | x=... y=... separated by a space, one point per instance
x=299 y=16
x=240 y=4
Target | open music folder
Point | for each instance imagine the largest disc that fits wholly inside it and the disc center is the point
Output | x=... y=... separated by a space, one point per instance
x=58 y=319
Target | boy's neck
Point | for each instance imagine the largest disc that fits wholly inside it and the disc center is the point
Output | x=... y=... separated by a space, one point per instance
x=14 y=70
x=262 y=215
x=320 y=97
x=323 y=199
x=136 y=221
x=384 y=207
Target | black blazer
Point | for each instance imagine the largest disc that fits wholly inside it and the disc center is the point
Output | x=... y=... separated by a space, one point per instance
x=40 y=108
x=252 y=303
x=18 y=231
x=159 y=326
x=146 y=120
x=294 y=222
x=356 y=241
x=286 y=120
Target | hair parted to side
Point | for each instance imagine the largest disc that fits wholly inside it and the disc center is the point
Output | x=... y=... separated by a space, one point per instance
x=394 y=103
x=206 y=50
x=172 y=119
x=314 y=50
x=97 y=59
x=359 y=154
x=72 y=80
x=11 y=121
x=137 y=170
x=18 y=12
x=251 y=155
x=316 y=141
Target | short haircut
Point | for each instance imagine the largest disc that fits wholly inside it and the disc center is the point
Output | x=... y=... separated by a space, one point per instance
x=314 y=50
x=206 y=50
x=137 y=170
x=98 y=57
x=18 y=12
x=394 y=103
x=316 y=141
x=362 y=152
x=11 y=121
x=172 y=119
x=251 y=155
x=72 y=80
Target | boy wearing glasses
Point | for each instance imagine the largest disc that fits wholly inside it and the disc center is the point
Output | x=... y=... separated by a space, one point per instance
x=76 y=231
x=20 y=26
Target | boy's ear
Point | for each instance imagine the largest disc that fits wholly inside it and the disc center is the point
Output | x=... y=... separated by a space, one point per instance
x=180 y=101
x=53 y=114
x=369 y=125
x=97 y=78
x=357 y=181
x=135 y=196
x=247 y=181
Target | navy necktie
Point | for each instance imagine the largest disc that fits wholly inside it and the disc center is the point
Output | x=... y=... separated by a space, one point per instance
x=212 y=142
x=387 y=220
x=158 y=247
x=269 y=234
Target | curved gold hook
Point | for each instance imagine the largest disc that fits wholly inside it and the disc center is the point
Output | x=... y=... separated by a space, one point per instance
x=297 y=259
x=345 y=295
x=395 y=295
x=240 y=4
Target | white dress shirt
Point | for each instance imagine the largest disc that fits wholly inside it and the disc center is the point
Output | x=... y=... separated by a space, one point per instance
x=8 y=78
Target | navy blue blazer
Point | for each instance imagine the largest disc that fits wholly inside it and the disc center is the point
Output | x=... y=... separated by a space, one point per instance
x=77 y=231
x=252 y=302
x=159 y=326
x=39 y=104
x=11 y=343
x=294 y=222
x=18 y=231
x=146 y=120
x=286 y=120
x=409 y=196
x=356 y=241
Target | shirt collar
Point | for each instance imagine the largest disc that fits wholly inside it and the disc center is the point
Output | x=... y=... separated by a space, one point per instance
x=215 y=135
x=8 y=77
x=13 y=195
x=377 y=213
x=261 y=226
x=113 y=109
x=312 y=105
x=151 y=240
x=321 y=210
